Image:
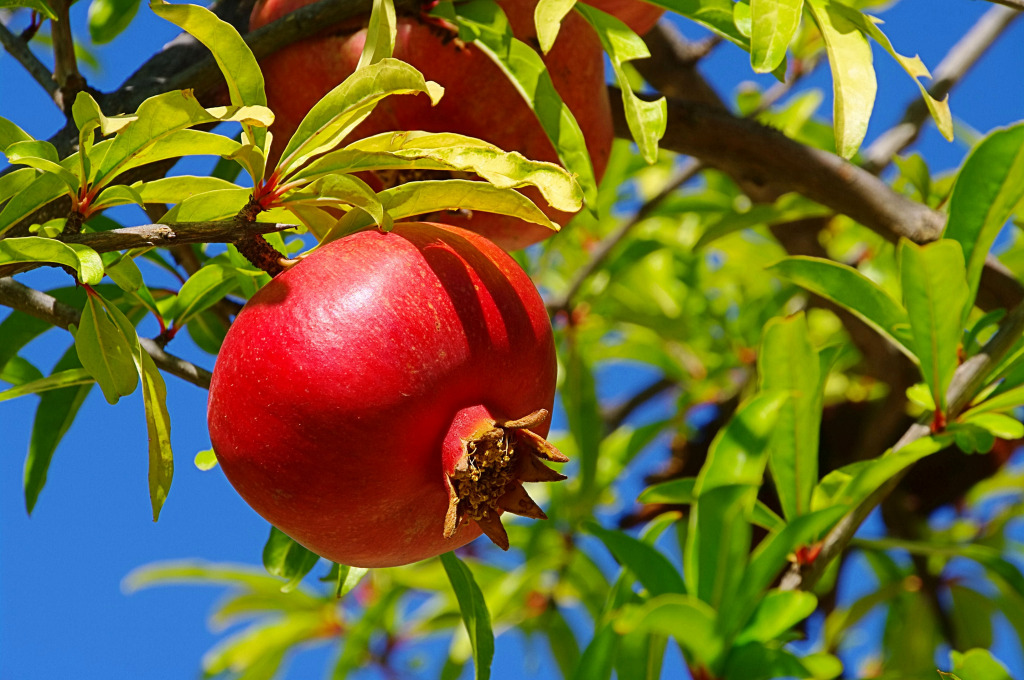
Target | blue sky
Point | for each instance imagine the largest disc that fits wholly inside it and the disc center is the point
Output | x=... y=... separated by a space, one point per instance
x=62 y=610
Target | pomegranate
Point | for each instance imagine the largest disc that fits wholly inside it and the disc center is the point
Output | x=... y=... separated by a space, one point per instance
x=639 y=16
x=382 y=400
x=479 y=100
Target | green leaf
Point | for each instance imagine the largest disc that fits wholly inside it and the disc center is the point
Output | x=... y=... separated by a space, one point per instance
x=988 y=188
x=125 y=273
x=212 y=205
x=159 y=130
x=717 y=543
x=547 y=18
x=336 y=191
x=689 y=620
x=158 y=426
x=739 y=452
x=714 y=14
x=485 y=24
x=850 y=289
x=202 y=290
x=56 y=411
x=380 y=34
x=177 y=189
x=579 y=398
x=474 y=613
x=13 y=183
x=935 y=294
x=347 y=105
x=283 y=557
x=206 y=460
x=914 y=67
x=1000 y=425
x=597 y=659
x=978 y=664
x=41 y=156
x=788 y=362
x=756 y=661
x=117 y=194
x=776 y=613
x=851 y=484
x=1000 y=401
x=853 y=75
x=104 y=351
x=681 y=491
x=773 y=25
x=346 y=578
x=30 y=198
x=18 y=371
x=109 y=18
x=414 y=199
x=235 y=59
x=55 y=381
x=647 y=120
x=11 y=133
x=455 y=152
x=652 y=569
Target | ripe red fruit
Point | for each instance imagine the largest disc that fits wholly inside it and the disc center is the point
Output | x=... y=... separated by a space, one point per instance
x=639 y=16
x=479 y=100
x=381 y=400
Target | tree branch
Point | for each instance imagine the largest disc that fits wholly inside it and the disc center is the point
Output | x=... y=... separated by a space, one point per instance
x=19 y=49
x=159 y=235
x=967 y=380
x=49 y=309
x=69 y=81
x=750 y=151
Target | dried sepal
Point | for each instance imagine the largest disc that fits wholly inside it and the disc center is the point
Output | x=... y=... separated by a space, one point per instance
x=487 y=478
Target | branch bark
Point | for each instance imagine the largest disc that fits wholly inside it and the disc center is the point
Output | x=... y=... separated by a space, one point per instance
x=19 y=49
x=49 y=309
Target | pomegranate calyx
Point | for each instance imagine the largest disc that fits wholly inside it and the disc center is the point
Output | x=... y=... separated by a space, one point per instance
x=488 y=477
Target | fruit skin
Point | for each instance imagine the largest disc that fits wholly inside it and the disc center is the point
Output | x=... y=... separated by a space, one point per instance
x=639 y=16
x=479 y=100
x=335 y=392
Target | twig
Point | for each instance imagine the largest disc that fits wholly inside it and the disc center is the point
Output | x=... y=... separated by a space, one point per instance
x=69 y=81
x=954 y=66
x=616 y=415
x=967 y=380
x=608 y=243
x=19 y=49
x=46 y=307
x=159 y=235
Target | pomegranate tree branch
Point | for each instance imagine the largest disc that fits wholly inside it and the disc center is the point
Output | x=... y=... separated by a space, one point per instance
x=159 y=235
x=967 y=380
x=752 y=152
x=950 y=71
x=46 y=307
x=69 y=81
x=19 y=49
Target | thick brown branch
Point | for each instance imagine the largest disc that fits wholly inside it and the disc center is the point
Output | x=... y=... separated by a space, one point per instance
x=19 y=49
x=752 y=152
x=967 y=380
x=49 y=309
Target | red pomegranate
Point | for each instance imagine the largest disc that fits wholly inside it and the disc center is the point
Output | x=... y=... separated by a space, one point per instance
x=479 y=100
x=381 y=401
x=639 y=16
